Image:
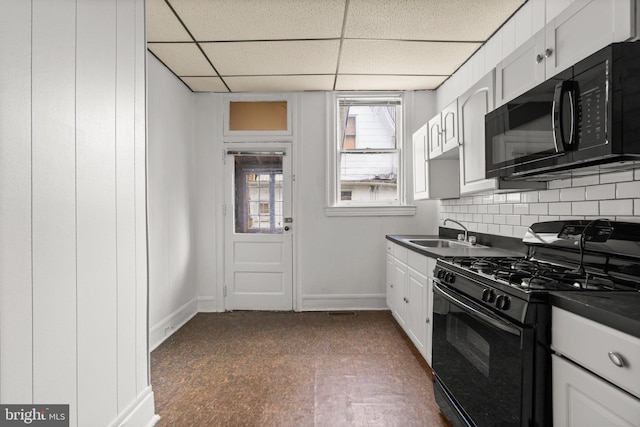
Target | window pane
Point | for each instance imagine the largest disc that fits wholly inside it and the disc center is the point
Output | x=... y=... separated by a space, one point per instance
x=369 y=176
x=367 y=127
x=258 y=194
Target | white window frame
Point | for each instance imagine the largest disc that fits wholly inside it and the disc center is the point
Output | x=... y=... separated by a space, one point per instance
x=337 y=207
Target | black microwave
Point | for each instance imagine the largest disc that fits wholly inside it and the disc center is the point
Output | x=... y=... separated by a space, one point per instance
x=582 y=121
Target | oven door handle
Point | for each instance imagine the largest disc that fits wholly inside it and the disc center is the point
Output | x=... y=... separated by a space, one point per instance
x=492 y=320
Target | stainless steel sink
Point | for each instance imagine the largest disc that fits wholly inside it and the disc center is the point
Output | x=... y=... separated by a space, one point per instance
x=440 y=243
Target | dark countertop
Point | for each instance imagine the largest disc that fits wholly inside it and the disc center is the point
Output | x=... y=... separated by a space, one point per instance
x=618 y=310
x=403 y=240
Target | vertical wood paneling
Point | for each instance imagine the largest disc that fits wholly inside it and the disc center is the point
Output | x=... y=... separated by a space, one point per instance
x=54 y=244
x=96 y=212
x=140 y=114
x=125 y=200
x=16 y=378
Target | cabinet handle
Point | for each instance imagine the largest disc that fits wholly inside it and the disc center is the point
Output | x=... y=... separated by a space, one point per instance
x=539 y=58
x=427 y=320
x=547 y=52
x=616 y=359
x=391 y=286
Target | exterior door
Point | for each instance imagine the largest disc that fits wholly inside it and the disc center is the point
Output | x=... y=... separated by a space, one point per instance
x=258 y=230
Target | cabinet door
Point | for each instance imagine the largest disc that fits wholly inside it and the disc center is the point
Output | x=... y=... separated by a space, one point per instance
x=522 y=70
x=399 y=285
x=583 y=399
x=420 y=176
x=449 y=135
x=416 y=309
x=586 y=27
x=472 y=106
x=390 y=280
x=434 y=133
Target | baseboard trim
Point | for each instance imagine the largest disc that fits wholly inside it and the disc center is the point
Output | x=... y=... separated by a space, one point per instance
x=207 y=305
x=139 y=413
x=170 y=324
x=321 y=302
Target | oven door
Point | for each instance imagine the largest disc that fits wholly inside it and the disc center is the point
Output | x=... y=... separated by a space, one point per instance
x=481 y=363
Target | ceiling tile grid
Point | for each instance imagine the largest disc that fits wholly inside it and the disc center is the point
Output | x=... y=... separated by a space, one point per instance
x=303 y=45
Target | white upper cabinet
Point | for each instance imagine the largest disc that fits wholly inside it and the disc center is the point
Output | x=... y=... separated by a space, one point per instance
x=420 y=190
x=432 y=178
x=582 y=28
x=472 y=107
x=443 y=132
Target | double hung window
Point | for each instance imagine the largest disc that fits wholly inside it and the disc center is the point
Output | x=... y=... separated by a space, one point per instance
x=367 y=158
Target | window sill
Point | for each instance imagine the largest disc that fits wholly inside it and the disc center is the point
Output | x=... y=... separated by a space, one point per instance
x=370 y=211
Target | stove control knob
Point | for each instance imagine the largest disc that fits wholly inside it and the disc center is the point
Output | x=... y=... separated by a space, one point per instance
x=452 y=278
x=488 y=295
x=503 y=302
x=447 y=277
x=440 y=274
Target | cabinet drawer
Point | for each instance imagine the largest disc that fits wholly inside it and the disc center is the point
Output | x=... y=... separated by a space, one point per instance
x=400 y=253
x=593 y=346
x=418 y=262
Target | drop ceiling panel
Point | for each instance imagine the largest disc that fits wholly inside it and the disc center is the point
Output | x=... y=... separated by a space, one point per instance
x=205 y=84
x=162 y=24
x=379 y=82
x=279 y=83
x=403 y=57
x=294 y=45
x=282 y=57
x=460 y=20
x=184 y=59
x=212 y=20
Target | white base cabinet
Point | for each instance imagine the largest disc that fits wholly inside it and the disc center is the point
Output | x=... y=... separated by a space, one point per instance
x=596 y=379
x=581 y=399
x=409 y=289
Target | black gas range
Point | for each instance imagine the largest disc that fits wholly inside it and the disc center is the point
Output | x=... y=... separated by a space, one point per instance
x=491 y=320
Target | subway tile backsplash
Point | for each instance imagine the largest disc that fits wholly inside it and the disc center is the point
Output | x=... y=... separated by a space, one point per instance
x=614 y=195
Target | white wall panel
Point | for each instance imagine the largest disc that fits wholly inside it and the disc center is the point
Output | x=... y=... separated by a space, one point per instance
x=96 y=212
x=125 y=201
x=16 y=350
x=171 y=192
x=140 y=189
x=54 y=204
x=73 y=272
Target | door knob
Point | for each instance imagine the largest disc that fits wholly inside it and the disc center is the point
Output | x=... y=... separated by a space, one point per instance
x=286 y=228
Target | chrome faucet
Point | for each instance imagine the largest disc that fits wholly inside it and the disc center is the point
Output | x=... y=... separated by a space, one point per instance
x=466 y=232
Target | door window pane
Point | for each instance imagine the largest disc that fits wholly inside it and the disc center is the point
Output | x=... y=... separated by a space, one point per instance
x=258 y=194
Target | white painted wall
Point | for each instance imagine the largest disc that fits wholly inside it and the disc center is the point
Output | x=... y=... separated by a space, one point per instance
x=73 y=271
x=340 y=260
x=172 y=190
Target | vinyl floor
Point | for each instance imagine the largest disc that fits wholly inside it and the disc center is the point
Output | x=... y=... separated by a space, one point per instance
x=292 y=369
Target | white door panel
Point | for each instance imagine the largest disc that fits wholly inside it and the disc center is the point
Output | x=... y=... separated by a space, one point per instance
x=258 y=229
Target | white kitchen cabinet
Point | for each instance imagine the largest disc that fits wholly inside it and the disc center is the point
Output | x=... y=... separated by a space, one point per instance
x=390 y=280
x=432 y=179
x=416 y=301
x=420 y=166
x=409 y=291
x=581 y=399
x=596 y=381
x=579 y=30
x=400 y=272
x=472 y=107
x=443 y=133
